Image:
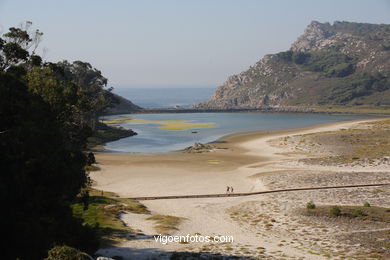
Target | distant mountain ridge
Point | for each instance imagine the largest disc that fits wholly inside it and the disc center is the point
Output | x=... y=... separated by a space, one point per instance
x=344 y=64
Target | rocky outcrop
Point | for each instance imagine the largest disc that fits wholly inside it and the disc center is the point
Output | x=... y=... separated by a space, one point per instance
x=315 y=37
x=339 y=64
x=199 y=148
x=245 y=90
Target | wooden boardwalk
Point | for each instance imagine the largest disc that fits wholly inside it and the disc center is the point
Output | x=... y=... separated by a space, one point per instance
x=256 y=193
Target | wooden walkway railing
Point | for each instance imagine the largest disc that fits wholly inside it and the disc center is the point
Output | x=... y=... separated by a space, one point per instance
x=255 y=193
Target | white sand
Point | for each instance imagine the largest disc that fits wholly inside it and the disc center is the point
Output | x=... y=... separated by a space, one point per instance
x=129 y=177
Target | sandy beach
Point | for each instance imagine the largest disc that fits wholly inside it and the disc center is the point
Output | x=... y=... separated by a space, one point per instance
x=264 y=226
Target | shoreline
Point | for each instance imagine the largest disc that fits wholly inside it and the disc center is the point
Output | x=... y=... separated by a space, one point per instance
x=250 y=135
x=250 y=162
x=233 y=152
x=293 y=110
x=239 y=137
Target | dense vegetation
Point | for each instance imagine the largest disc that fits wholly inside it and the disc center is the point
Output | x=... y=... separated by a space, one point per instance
x=103 y=212
x=105 y=133
x=47 y=111
x=355 y=86
x=66 y=253
x=331 y=63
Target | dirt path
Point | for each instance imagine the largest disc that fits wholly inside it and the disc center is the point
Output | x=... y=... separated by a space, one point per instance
x=224 y=195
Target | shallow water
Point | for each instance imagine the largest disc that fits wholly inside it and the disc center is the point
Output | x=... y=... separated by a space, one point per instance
x=151 y=139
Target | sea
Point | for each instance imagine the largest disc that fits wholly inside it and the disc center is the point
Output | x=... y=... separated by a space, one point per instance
x=183 y=97
x=152 y=139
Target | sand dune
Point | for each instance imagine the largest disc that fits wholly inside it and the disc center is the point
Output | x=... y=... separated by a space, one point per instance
x=243 y=161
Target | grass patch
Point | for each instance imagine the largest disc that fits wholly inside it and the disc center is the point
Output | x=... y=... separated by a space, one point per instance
x=174 y=124
x=164 y=124
x=133 y=206
x=354 y=109
x=375 y=244
x=214 y=162
x=103 y=214
x=185 y=126
x=335 y=211
x=371 y=214
x=118 y=120
x=370 y=143
x=310 y=205
x=91 y=168
x=165 y=224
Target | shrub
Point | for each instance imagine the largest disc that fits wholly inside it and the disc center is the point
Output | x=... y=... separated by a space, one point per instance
x=90 y=159
x=359 y=212
x=310 y=205
x=323 y=61
x=340 y=70
x=285 y=55
x=66 y=253
x=91 y=168
x=335 y=211
x=367 y=204
x=300 y=57
x=354 y=86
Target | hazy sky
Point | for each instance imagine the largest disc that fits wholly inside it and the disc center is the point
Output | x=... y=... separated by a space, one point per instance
x=175 y=43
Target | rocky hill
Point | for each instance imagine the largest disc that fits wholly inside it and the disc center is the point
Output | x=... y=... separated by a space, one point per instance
x=344 y=64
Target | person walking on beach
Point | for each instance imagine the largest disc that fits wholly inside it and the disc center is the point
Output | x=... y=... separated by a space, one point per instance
x=231 y=189
x=227 y=189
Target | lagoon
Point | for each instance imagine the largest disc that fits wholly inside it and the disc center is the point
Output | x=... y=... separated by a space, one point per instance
x=156 y=135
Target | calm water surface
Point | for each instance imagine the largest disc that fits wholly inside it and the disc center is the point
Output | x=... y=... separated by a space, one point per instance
x=151 y=139
x=165 y=97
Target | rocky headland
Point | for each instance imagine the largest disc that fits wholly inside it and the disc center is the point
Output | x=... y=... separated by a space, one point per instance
x=345 y=64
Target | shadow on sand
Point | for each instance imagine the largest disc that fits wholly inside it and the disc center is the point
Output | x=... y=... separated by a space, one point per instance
x=126 y=253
